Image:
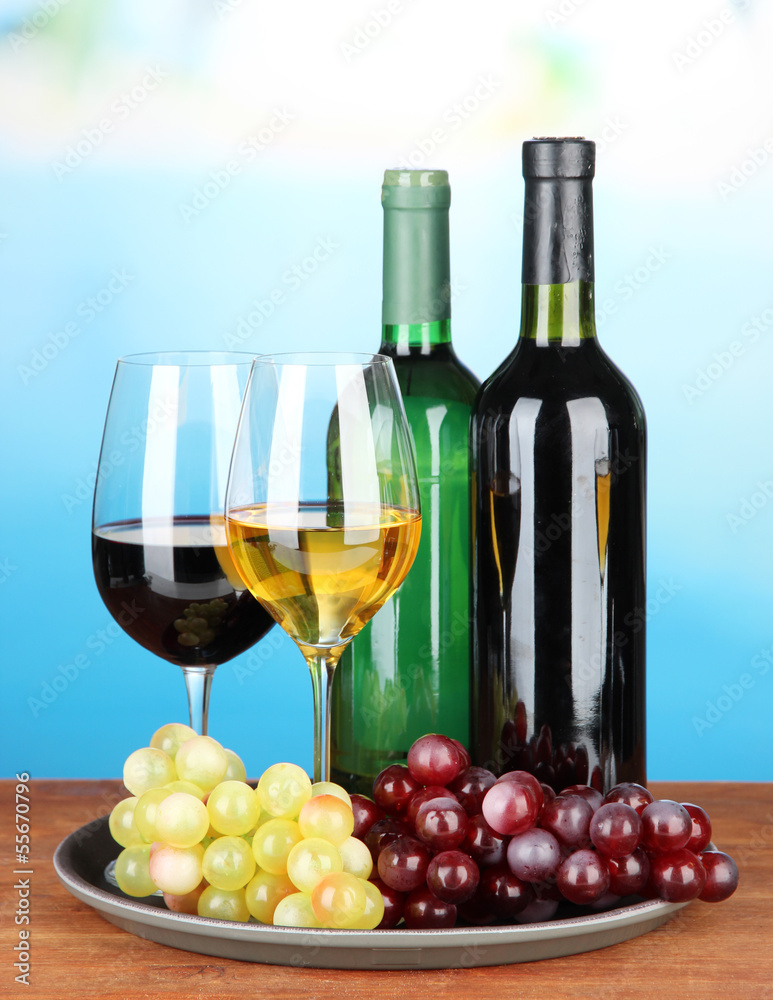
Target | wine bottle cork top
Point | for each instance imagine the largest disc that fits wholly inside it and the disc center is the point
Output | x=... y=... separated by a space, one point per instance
x=553 y=158
x=415 y=178
x=416 y=189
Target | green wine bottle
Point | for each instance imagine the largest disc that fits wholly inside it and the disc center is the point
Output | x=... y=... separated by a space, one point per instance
x=407 y=672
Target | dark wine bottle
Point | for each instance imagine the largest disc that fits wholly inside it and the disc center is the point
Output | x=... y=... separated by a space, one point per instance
x=407 y=672
x=558 y=454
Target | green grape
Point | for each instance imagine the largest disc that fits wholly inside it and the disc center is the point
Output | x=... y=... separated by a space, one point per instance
x=132 y=871
x=356 y=858
x=223 y=904
x=145 y=812
x=310 y=861
x=123 y=829
x=283 y=789
x=331 y=788
x=264 y=891
x=328 y=817
x=176 y=870
x=374 y=909
x=228 y=863
x=295 y=911
x=339 y=900
x=201 y=760
x=171 y=737
x=235 y=770
x=181 y=820
x=273 y=842
x=186 y=786
x=147 y=768
x=233 y=808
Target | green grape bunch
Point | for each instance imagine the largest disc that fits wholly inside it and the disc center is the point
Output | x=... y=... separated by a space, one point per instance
x=283 y=853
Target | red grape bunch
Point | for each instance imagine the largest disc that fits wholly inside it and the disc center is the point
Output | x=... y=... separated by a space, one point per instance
x=452 y=841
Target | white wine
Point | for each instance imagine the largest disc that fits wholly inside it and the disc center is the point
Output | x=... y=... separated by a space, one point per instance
x=322 y=569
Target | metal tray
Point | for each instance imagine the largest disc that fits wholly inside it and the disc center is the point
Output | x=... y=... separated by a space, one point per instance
x=81 y=858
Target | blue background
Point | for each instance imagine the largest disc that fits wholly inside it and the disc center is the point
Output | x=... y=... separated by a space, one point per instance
x=675 y=100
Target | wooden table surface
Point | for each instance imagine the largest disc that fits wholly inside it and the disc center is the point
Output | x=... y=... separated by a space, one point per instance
x=721 y=950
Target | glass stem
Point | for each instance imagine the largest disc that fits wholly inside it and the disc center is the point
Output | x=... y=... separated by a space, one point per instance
x=322 y=667
x=198 y=681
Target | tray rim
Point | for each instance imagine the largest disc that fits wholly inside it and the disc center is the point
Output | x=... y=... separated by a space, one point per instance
x=128 y=912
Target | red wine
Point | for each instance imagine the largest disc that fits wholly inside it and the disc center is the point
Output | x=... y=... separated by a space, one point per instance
x=558 y=449
x=171 y=585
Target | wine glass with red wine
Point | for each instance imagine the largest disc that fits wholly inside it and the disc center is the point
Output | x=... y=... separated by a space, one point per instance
x=161 y=561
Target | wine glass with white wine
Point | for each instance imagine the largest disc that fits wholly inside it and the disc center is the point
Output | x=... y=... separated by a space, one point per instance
x=322 y=507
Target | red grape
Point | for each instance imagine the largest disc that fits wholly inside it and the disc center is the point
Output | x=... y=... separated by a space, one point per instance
x=470 y=787
x=384 y=832
x=453 y=876
x=393 y=788
x=485 y=846
x=537 y=911
x=534 y=856
x=510 y=807
x=630 y=794
x=525 y=779
x=592 y=795
x=721 y=876
x=424 y=910
x=605 y=902
x=615 y=830
x=583 y=877
x=677 y=876
x=665 y=827
x=393 y=905
x=434 y=760
x=568 y=819
x=403 y=864
x=366 y=813
x=548 y=793
x=629 y=876
x=700 y=838
x=424 y=795
x=441 y=824
x=463 y=753
x=503 y=892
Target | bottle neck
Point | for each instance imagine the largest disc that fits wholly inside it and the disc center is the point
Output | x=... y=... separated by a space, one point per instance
x=557 y=304
x=416 y=309
x=558 y=315
x=403 y=339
